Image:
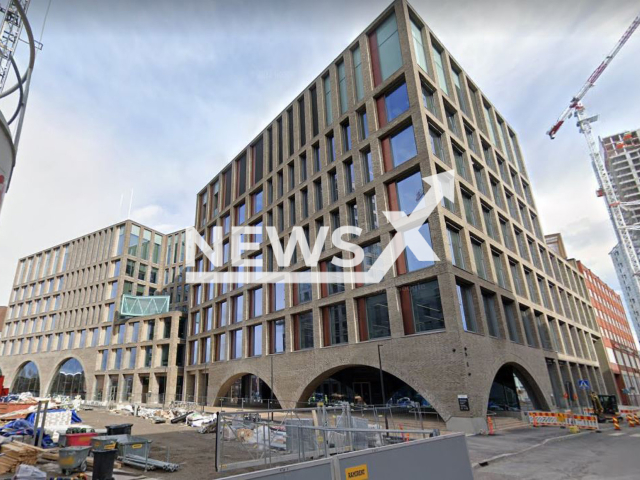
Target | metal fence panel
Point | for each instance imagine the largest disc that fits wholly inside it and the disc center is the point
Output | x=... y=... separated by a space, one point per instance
x=428 y=459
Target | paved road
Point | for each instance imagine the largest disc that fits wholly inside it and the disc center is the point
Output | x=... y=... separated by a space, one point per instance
x=590 y=456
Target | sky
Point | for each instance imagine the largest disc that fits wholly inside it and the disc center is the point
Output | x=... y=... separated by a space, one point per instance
x=155 y=97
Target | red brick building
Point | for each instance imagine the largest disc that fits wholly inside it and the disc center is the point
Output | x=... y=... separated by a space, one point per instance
x=622 y=353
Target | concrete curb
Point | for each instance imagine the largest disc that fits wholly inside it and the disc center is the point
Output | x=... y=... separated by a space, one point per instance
x=502 y=456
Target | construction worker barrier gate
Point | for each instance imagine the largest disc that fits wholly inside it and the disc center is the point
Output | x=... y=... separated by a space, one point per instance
x=560 y=419
x=442 y=457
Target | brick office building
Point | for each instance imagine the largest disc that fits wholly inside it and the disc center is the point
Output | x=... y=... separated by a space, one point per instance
x=620 y=347
x=65 y=332
x=501 y=318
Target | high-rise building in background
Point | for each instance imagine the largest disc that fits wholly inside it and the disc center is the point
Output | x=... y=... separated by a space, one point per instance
x=620 y=348
x=622 y=161
x=102 y=316
x=501 y=322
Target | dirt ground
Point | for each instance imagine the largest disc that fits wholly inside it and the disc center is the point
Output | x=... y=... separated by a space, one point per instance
x=195 y=452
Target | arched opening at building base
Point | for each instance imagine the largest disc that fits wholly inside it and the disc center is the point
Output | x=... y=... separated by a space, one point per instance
x=247 y=391
x=69 y=380
x=27 y=380
x=514 y=390
x=362 y=387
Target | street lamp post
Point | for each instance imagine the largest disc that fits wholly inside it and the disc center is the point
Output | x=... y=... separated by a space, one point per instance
x=384 y=398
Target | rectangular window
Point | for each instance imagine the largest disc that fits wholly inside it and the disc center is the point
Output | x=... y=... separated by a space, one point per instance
x=440 y=73
x=342 y=87
x=237 y=308
x=241 y=172
x=489 y=304
x=331 y=147
x=385 y=42
x=301 y=121
x=512 y=327
x=412 y=262
x=278 y=292
x=373 y=317
x=277 y=336
x=367 y=166
x=465 y=303
x=256 y=303
x=303 y=331
x=462 y=98
x=429 y=100
x=435 y=139
x=333 y=186
x=236 y=344
x=326 y=81
x=421 y=308
x=478 y=256
x=290 y=133
x=418 y=46
x=363 y=124
x=409 y=191
x=469 y=212
x=497 y=264
x=255 y=333
x=396 y=103
x=336 y=331
x=357 y=73
x=403 y=146
x=372 y=210
x=349 y=177
x=455 y=245
x=314 y=110
x=346 y=137
x=221 y=347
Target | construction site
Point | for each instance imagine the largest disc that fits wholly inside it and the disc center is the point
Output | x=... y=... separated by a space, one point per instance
x=468 y=343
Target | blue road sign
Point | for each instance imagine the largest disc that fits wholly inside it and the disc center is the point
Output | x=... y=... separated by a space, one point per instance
x=584 y=384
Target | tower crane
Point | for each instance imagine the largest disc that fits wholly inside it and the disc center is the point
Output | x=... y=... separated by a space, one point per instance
x=584 y=125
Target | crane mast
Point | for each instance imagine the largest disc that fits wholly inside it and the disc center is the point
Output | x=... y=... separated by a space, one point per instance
x=584 y=125
x=10 y=30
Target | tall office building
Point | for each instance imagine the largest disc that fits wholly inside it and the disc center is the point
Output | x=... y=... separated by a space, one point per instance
x=622 y=161
x=621 y=352
x=87 y=318
x=500 y=322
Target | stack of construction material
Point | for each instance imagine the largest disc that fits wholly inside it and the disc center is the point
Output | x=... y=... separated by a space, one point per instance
x=13 y=454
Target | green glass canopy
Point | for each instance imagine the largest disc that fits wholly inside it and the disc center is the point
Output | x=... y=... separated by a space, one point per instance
x=133 y=306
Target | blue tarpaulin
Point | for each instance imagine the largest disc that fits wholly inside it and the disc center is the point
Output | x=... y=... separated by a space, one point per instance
x=24 y=426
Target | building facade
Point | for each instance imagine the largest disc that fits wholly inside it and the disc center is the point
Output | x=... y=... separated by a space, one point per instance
x=65 y=334
x=620 y=347
x=500 y=322
x=622 y=161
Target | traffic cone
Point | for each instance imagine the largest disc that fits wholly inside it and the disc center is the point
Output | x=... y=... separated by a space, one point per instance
x=616 y=425
x=535 y=421
x=636 y=419
x=490 y=425
x=630 y=421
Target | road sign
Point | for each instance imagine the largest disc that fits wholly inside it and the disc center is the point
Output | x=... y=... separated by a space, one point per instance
x=584 y=384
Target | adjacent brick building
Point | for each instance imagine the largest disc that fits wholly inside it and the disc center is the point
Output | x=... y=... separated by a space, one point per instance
x=620 y=347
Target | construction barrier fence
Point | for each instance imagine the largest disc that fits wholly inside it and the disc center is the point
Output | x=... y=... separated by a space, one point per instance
x=562 y=419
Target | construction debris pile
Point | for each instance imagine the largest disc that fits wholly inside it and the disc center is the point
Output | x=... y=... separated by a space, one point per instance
x=203 y=422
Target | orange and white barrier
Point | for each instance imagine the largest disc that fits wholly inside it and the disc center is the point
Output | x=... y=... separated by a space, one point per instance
x=586 y=422
x=560 y=419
